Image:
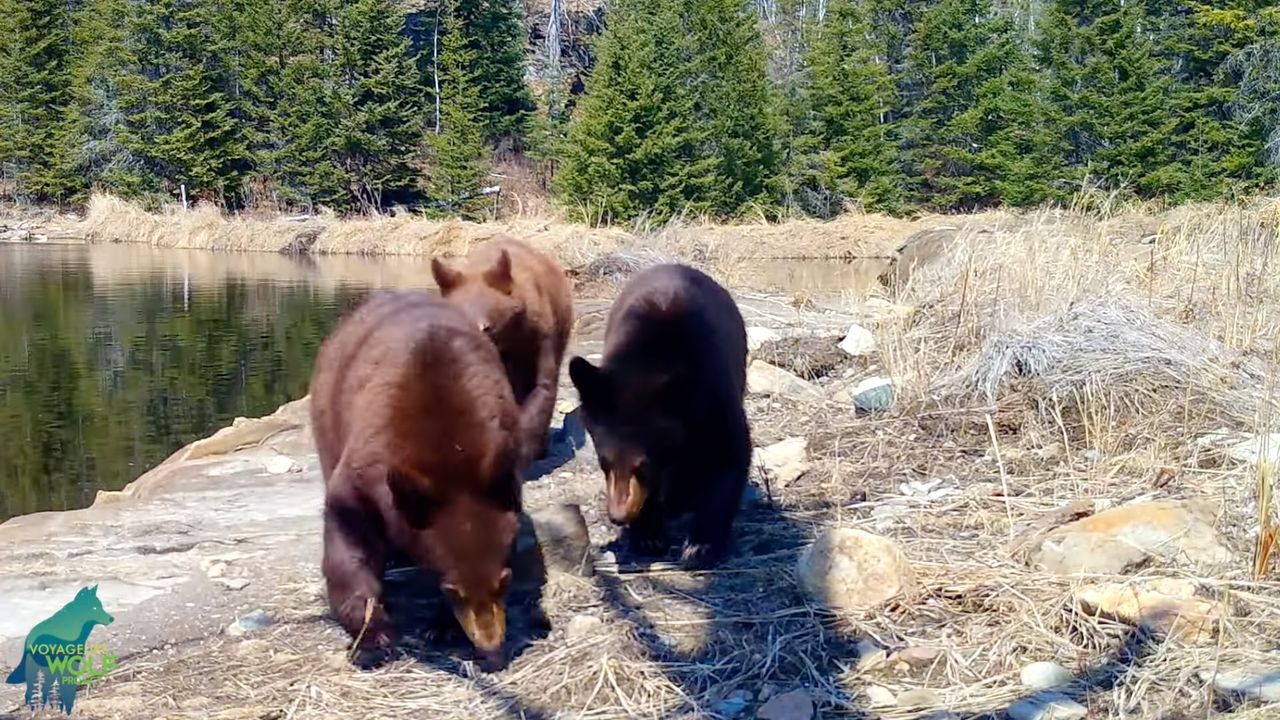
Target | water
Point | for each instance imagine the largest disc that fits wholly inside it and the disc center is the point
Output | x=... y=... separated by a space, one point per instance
x=113 y=357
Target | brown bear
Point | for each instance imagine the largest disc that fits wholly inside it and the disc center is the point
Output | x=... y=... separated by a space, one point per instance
x=665 y=411
x=522 y=299
x=415 y=425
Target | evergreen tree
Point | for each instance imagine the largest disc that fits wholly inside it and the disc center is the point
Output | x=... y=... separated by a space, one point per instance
x=975 y=127
x=35 y=91
x=632 y=146
x=377 y=104
x=95 y=130
x=179 y=119
x=493 y=34
x=1113 y=90
x=850 y=149
x=455 y=145
x=731 y=102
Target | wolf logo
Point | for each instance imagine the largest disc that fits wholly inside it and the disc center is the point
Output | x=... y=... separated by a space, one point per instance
x=55 y=650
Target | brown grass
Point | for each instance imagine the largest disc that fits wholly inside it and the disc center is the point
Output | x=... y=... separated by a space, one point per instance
x=1053 y=357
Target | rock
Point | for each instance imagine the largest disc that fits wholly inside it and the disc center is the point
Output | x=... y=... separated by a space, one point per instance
x=766 y=379
x=733 y=705
x=919 y=698
x=1117 y=539
x=256 y=620
x=281 y=464
x=1244 y=447
x=233 y=583
x=877 y=311
x=561 y=533
x=1047 y=706
x=757 y=336
x=858 y=341
x=1044 y=674
x=872 y=394
x=1166 y=605
x=879 y=697
x=794 y=705
x=849 y=570
x=582 y=625
x=785 y=461
x=217 y=570
x=1252 y=683
x=916 y=656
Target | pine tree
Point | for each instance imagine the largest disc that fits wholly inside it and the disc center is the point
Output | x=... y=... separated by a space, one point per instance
x=35 y=90
x=455 y=144
x=632 y=145
x=850 y=149
x=1113 y=90
x=731 y=100
x=493 y=33
x=94 y=132
x=976 y=128
x=179 y=118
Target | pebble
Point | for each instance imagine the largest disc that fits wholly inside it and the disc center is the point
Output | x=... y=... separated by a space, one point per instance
x=794 y=705
x=1048 y=706
x=233 y=583
x=1044 y=674
x=256 y=620
x=858 y=341
x=919 y=698
x=217 y=570
x=917 y=656
x=281 y=464
x=879 y=696
x=733 y=705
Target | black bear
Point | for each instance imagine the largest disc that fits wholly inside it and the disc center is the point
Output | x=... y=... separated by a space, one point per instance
x=665 y=411
x=416 y=429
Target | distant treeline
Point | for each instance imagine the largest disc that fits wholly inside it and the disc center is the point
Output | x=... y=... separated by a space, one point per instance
x=710 y=107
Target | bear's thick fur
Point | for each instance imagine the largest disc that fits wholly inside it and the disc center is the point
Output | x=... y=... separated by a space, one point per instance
x=414 y=424
x=523 y=300
x=665 y=410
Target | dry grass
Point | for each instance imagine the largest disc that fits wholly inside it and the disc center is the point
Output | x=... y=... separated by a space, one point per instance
x=1052 y=357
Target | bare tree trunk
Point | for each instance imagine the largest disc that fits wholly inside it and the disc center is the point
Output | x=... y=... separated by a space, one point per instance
x=553 y=40
x=435 y=64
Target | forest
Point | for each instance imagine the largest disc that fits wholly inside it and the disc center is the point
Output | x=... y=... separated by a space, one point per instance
x=663 y=108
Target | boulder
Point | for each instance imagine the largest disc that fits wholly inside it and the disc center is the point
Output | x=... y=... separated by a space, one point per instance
x=783 y=462
x=1115 y=540
x=850 y=570
x=766 y=379
x=1166 y=605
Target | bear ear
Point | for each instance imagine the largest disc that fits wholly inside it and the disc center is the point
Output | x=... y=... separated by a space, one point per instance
x=588 y=379
x=411 y=499
x=446 y=276
x=498 y=276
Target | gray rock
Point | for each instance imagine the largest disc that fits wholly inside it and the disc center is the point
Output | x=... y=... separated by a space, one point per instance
x=1110 y=542
x=873 y=394
x=1048 y=706
x=1254 y=683
x=233 y=583
x=1044 y=674
x=256 y=620
x=794 y=705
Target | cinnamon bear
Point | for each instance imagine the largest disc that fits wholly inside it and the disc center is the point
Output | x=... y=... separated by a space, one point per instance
x=415 y=427
x=522 y=299
x=665 y=411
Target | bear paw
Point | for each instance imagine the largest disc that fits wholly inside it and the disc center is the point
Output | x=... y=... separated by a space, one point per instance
x=700 y=556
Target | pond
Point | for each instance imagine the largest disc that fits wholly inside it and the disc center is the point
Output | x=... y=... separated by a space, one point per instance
x=112 y=357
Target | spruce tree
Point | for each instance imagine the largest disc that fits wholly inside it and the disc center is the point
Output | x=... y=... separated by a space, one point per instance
x=493 y=35
x=454 y=166
x=179 y=119
x=35 y=90
x=632 y=147
x=1114 y=92
x=849 y=103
